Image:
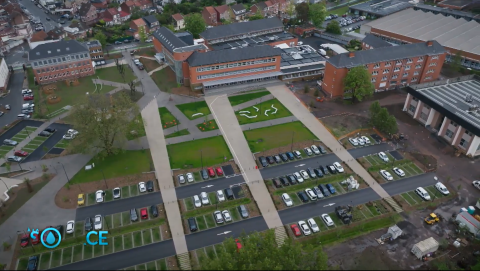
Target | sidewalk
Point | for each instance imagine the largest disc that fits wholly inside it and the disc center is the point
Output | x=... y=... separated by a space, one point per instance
x=286 y=97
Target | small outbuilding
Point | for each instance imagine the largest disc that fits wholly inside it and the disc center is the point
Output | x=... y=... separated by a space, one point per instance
x=425 y=247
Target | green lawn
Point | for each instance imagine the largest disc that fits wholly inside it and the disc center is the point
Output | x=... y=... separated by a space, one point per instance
x=136 y=125
x=282 y=112
x=179 y=133
x=167 y=118
x=192 y=108
x=277 y=136
x=208 y=126
x=165 y=79
x=240 y=99
x=121 y=164
x=187 y=154
x=112 y=74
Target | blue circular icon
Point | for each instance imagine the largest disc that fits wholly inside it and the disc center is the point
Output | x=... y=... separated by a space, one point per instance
x=50 y=240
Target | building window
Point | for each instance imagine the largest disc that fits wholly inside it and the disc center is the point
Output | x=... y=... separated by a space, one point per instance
x=414 y=79
x=374 y=80
x=388 y=64
x=375 y=73
x=415 y=99
x=418 y=66
x=431 y=71
x=411 y=108
x=405 y=74
x=428 y=78
x=386 y=71
x=416 y=73
x=453 y=123
x=463 y=143
x=376 y=66
x=384 y=78
x=423 y=116
x=420 y=59
x=432 y=64
x=435 y=57
x=449 y=133
x=409 y=60
x=366 y=67
x=398 y=62
x=396 y=69
x=468 y=133
x=395 y=76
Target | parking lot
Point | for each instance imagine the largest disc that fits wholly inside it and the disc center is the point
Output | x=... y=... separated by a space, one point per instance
x=226 y=170
x=40 y=146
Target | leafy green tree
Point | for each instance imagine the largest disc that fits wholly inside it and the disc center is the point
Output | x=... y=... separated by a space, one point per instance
x=256 y=16
x=290 y=9
x=302 y=12
x=357 y=84
x=381 y=119
x=101 y=38
x=317 y=13
x=260 y=252
x=171 y=27
x=137 y=13
x=195 y=24
x=374 y=110
x=142 y=33
x=334 y=27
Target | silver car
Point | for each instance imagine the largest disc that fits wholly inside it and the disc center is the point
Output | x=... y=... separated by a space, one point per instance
x=14 y=159
x=218 y=217
x=10 y=142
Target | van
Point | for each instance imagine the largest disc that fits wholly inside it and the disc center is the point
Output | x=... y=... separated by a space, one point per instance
x=243 y=211
x=192 y=224
x=229 y=193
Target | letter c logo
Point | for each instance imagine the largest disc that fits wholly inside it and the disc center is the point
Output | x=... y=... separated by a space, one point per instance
x=88 y=238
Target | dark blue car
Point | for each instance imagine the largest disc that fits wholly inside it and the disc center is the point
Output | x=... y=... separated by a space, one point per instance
x=331 y=189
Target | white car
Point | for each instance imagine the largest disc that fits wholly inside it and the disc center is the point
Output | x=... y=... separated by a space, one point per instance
x=338 y=167
x=97 y=222
x=304 y=174
x=298 y=177
x=366 y=140
x=68 y=136
x=72 y=132
x=442 y=188
x=181 y=179
x=226 y=216
x=136 y=61
x=353 y=141
x=313 y=225
x=308 y=151
x=142 y=187
x=204 y=198
x=328 y=220
x=197 y=202
x=386 y=175
x=220 y=196
x=360 y=141
x=286 y=198
x=399 y=172
x=304 y=227
x=422 y=193
x=70 y=227
x=383 y=156
x=315 y=149
x=99 y=195
x=116 y=192
x=190 y=177
x=476 y=184
x=312 y=195
x=297 y=154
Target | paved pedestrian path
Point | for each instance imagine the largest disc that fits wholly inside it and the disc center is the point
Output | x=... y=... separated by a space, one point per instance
x=286 y=97
x=233 y=135
x=157 y=69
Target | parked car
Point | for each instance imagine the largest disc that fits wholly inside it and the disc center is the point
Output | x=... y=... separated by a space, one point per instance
x=220 y=196
x=98 y=223
x=217 y=215
x=190 y=177
x=32 y=263
x=422 y=193
x=322 y=149
x=290 y=156
x=133 y=215
x=291 y=179
x=315 y=149
x=196 y=201
x=70 y=228
x=150 y=186
x=442 y=188
x=219 y=171
x=141 y=187
x=399 y=172
x=25 y=240
x=10 y=142
x=383 y=156
x=226 y=216
x=81 y=199
x=360 y=140
x=286 y=198
x=318 y=172
x=99 y=195
x=88 y=224
x=297 y=154
x=154 y=210
x=243 y=211
x=276 y=183
x=385 y=174
x=192 y=224
x=116 y=192
x=284 y=157
x=298 y=177
x=144 y=213
x=211 y=172
x=23 y=116
x=229 y=193
x=318 y=192
x=295 y=230
x=353 y=141
x=140 y=67
x=27 y=98
x=311 y=173
x=204 y=198
x=284 y=181
x=118 y=42
x=366 y=140
x=330 y=188
x=304 y=174
x=332 y=169
x=44 y=133
x=338 y=167
x=263 y=161
x=303 y=197
x=181 y=178
x=304 y=227
x=324 y=170
x=476 y=184
x=328 y=220
x=308 y=151
x=313 y=225
x=21 y=153
x=14 y=159
x=51 y=130
x=324 y=190
x=204 y=174
x=270 y=159
x=311 y=194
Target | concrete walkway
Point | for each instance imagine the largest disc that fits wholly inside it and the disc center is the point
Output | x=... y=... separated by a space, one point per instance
x=233 y=135
x=286 y=97
x=158 y=149
x=157 y=69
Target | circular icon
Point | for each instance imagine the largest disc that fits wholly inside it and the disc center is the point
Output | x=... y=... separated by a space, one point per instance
x=50 y=238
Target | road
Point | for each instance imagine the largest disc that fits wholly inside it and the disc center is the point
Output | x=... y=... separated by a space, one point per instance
x=45 y=147
x=14 y=99
x=213 y=185
x=39 y=13
x=18 y=127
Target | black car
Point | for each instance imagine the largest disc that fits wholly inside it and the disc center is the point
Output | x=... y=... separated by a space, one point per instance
x=229 y=193
x=277 y=159
x=88 y=224
x=192 y=224
x=150 y=186
x=59 y=229
x=263 y=161
x=324 y=190
x=47 y=18
x=322 y=149
x=277 y=183
x=270 y=160
x=290 y=155
x=44 y=133
x=284 y=157
x=50 y=130
x=318 y=172
x=32 y=263
x=332 y=169
x=291 y=179
x=204 y=174
x=154 y=210
x=311 y=173
x=324 y=170
x=133 y=215
x=303 y=196
x=284 y=181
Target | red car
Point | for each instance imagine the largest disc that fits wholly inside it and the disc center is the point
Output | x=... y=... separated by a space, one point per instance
x=28 y=98
x=295 y=230
x=144 y=213
x=24 y=240
x=21 y=153
x=211 y=173
x=45 y=235
x=36 y=240
x=219 y=171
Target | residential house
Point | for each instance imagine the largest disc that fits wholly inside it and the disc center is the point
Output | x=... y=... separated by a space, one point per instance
x=77 y=30
x=15 y=27
x=259 y=7
x=39 y=36
x=74 y=5
x=88 y=13
x=95 y=50
x=281 y=5
x=210 y=16
x=152 y=23
x=238 y=12
x=178 y=21
x=56 y=34
x=223 y=13
x=100 y=5
x=113 y=16
x=143 y=4
x=272 y=8
x=61 y=60
x=128 y=6
x=136 y=26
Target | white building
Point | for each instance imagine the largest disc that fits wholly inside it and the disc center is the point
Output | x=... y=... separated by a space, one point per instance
x=4 y=75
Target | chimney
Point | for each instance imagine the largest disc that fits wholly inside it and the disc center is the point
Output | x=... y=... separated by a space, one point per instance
x=351 y=54
x=430 y=43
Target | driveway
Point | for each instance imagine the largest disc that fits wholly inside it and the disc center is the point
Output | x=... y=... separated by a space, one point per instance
x=45 y=147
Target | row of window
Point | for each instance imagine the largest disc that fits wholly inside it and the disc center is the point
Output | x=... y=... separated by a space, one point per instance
x=385 y=78
x=236 y=64
x=245 y=35
x=95 y=51
x=301 y=74
x=59 y=75
x=60 y=60
x=222 y=74
x=61 y=67
x=407 y=67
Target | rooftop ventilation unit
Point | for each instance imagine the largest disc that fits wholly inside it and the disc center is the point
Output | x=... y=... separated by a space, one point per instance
x=473 y=109
x=468 y=98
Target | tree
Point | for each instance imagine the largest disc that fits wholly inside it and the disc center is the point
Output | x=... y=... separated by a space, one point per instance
x=457 y=62
x=259 y=251
x=374 y=110
x=142 y=34
x=28 y=184
x=317 y=13
x=101 y=38
x=381 y=119
x=306 y=89
x=302 y=12
x=256 y=16
x=136 y=13
x=358 y=84
x=195 y=24
x=171 y=27
x=333 y=27
x=290 y=9
x=101 y=119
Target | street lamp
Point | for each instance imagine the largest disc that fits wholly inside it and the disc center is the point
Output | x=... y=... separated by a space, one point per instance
x=5 y=184
x=201 y=158
x=291 y=145
x=68 y=179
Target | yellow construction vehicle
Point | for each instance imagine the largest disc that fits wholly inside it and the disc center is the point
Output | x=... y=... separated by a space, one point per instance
x=432 y=219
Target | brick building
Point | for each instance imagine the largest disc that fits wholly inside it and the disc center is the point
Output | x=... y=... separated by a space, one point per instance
x=88 y=13
x=61 y=60
x=390 y=67
x=95 y=50
x=210 y=16
x=450 y=109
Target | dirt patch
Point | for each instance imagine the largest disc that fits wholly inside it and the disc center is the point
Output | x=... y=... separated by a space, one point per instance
x=150 y=51
x=186 y=91
x=397 y=111
x=425 y=161
x=343 y=124
x=296 y=146
x=13 y=174
x=66 y=197
x=172 y=263
x=149 y=64
x=166 y=234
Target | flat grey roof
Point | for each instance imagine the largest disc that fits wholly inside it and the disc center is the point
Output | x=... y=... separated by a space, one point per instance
x=235 y=29
x=457 y=3
x=224 y=56
x=454 y=33
x=253 y=41
x=55 y=49
x=450 y=100
x=382 y=7
x=447 y=11
x=375 y=42
x=303 y=54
